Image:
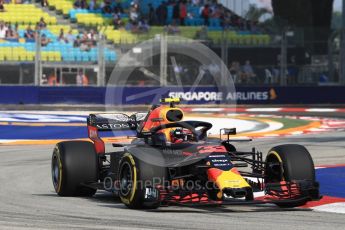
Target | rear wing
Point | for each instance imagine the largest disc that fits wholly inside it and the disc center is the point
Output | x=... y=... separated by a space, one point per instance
x=111 y=122
x=115 y=121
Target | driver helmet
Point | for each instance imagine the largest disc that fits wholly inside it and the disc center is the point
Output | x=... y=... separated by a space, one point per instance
x=179 y=135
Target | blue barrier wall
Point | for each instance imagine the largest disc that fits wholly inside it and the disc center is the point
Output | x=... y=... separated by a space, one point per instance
x=139 y=95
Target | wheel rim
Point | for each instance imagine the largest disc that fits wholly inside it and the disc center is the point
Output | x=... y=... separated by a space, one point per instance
x=274 y=170
x=55 y=171
x=126 y=179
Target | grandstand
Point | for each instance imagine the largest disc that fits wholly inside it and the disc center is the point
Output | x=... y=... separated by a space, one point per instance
x=104 y=22
x=23 y=49
x=64 y=18
x=24 y=14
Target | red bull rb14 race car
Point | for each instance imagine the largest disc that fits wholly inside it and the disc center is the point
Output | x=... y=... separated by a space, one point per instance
x=170 y=161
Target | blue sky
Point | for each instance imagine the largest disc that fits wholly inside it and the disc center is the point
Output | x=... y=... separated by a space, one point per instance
x=337 y=5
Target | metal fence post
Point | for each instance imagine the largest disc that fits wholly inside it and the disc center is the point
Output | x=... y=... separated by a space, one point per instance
x=224 y=56
x=342 y=49
x=101 y=61
x=38 y=66
x=283 y=59
x=163 y=59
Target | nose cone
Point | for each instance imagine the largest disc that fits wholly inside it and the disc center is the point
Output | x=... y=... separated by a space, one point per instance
x=226 y=180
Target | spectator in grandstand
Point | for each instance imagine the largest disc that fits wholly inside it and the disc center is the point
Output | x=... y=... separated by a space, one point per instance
x=70 y=37
x=323 y=78
x=42 y=24
x=62 y=38
x=77 y=42
x=176 y=12
x=81 y=79
x=15 y=31
x=84 y=46
x=143 y=25
x=83 y=4
x=44 y=3
x=92 y=37
x=77 y=4
x=93 y=5
x=183 y=12
x=226 y=20
x=195 y=2
x=268 y=76
x=292 y=71
x=134 y=12
x=11 y=34
x=7 y=24
x=216 y=10
x=162 y=13
x=132 y=26
x=151 y=16
x=37 y=30
x=44 y=40
x=248 y=74
x=3 y=30
x=119 y=7
x=2 y=8
x=106 y=7
x=29 y=33
x=84 y=43
x=84 y=37
x=44 y=79
x=52 y=79
x=172 y=29
x=205 y=14
x=235 y=71
x=117 y=18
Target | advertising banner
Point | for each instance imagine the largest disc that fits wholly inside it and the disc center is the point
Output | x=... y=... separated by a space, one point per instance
x=149 y=95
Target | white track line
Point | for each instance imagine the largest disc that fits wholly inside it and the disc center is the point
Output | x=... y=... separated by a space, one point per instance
x=264 y=109
x=334 y=208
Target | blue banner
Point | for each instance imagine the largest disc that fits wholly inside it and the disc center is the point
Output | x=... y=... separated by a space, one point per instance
x=149 y=95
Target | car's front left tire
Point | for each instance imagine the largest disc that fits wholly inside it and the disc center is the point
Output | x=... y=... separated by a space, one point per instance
x=74 y=163
x=289 y=163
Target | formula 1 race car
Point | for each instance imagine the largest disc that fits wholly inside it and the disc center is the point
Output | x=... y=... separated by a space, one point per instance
x=171 y=161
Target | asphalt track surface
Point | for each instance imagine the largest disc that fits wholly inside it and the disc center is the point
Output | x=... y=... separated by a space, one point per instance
x=27 y=198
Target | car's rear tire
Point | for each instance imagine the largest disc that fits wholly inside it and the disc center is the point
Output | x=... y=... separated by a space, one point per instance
x=290 y=162
x=74 y=163
x=135 y=176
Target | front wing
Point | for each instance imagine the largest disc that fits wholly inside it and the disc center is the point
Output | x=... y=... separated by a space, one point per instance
x=283 y=193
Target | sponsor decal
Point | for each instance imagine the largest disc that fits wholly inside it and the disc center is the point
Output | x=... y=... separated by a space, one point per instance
x=209 y=96
x=114 y=126
x=151 y=194
x=198 y=96
x=220 y=161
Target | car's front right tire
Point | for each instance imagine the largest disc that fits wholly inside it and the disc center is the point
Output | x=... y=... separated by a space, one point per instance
x=136 y=178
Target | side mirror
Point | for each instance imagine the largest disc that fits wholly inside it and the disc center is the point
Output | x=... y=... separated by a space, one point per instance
x=227 y=131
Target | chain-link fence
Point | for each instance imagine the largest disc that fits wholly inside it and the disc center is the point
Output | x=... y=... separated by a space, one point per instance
x=253 y=58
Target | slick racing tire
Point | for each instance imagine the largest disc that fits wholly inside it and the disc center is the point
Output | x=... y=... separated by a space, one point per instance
x=290 y=162
x=137 y=183
x=74 y=163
